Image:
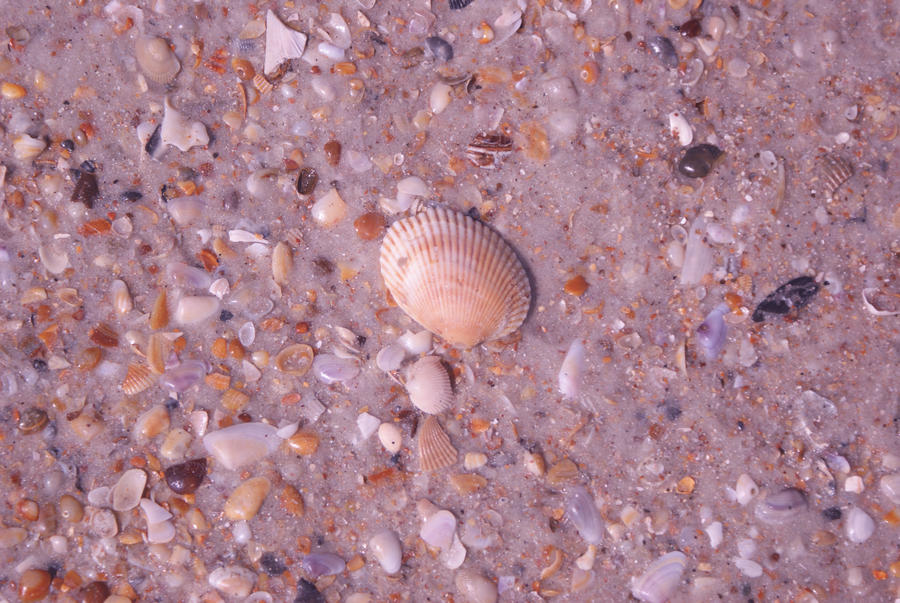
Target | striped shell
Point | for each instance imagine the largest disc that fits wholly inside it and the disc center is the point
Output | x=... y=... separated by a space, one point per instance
x=835 y=171
x=435 y=449
x=157 y=60
x=455 y=276
x=137 y=379
x=428 y=385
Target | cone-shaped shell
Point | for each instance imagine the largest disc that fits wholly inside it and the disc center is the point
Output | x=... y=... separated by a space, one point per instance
x=435 y=449
x=428 y=385
x=455 y=276
x=157 y=60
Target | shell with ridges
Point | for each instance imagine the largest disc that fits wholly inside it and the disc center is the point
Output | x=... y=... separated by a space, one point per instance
x=435 y=449
x=157 y=60
x=428 y=385
x=455 y=276
x=137 y=379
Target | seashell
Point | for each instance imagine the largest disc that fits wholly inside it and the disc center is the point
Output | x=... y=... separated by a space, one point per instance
x=438 y=529
x=488 y=149
x=126 y=494
x=582 y=512
x=367 y=424
x=835 y=171
x=859 y=527
x=329 y=368
x=151 y=423
x=294 y=359
x=712 y=332
x=153 y=512
x=474 y=587
x=156 y=59
x=189 y=277
x=658 y=583
x=121 y=298
x=391 y=437
x=680 y=128
x=54 y=259
x=745 y=489
x=455 y=276
x=416 y=343
x=241 y=444
x=262 y=85
x=329 y=209
x=428 y=385
x=435 y=449
x=282 y=262
x=570 y=373
x=137 y=379
x=782 y=506
x=161 y=532
x=192 y=309
x=390 y=358
x=245 y=501
x=385 y=547
x=698 y=256
x=282 y=43
x=27 y=147
x=178 y=131
x=878 y=303
x=158 y=346
x=317 y=565
x=184 y=376
x=232 y=580
x=242 y=68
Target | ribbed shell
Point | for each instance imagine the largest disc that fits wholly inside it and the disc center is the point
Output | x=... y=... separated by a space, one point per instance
x=435 y=449
x=157 y=60
x=428 y=385
x=137 y=379
x=835 y=171
x=455 y=276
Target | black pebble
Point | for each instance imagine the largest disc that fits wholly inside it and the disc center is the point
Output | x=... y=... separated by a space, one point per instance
x=439 y=47
x=664 y=50
x=832 y=513
x=691 y=29
x=86 y=189
x=68 y=145
x=307 y=180
x=132 y=195
x=39 y=364
x=698 y=161
x=171 y=403
x=306 y=591
x=271 y=564
x=88 y=166
x=225 y=316
x=795 y=293
x=154 y=143
x=186 y=477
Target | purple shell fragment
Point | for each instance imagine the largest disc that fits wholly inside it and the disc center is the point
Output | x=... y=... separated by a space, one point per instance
x=712 y=332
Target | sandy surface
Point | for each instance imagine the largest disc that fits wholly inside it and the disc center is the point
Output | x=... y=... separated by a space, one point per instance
x=559 y=490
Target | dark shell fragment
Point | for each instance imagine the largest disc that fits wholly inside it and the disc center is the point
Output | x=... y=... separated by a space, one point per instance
x=489 y=150
x=154 y=145
x=307 y=591
x=86 y=189
x=307 y=180
x=699 y=160
x=795 y=293
x=459 y=4
x=439 y=48
x=186 y=477
x=664 y=50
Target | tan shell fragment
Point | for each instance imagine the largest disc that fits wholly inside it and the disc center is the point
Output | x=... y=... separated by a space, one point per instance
x=137 y=379
x=455 y=276
x=156 y=59
x=428 y=385
x=435 y=449
x=835 y=171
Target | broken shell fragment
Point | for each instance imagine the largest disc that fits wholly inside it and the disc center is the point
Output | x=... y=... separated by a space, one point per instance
x=178 y=131
x=247 y=498
x=474 y=587
x=835 y=171
x=294 y=359
x=455 y=276
x=137 y=379
x=658 y=583
x=193 y=309
x=27 y=147
x=121 y=298
x=242 y=444
x=582 y=512
x=435 y=449
x=781 y=506
x=570 y=373
x=126 y=494
x=385 y=547
x=232 y=580
x=282 y=43
x=438 y=529
x=428 y=385
x=156 y=59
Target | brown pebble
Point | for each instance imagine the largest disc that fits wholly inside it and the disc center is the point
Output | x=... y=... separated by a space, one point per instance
x=369 y=226
x=303 y=443
x=32 y=420
x=186 y=477
x=94 y=592
x=332 y=152
x=247 y=498
x=576 y=286
x=70 y=508
x=27 y=509
x=88 y=358
x=86 y=189
x=34 y=586
x=307 y=180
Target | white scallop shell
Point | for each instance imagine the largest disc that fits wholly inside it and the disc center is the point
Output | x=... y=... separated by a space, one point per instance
x=455 y=276
x=156 y=59
x=428 y=385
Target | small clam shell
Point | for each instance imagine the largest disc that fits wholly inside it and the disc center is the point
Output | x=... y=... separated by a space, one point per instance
x=658 y=583
x=391 y=437
x=435 y=449
x=859 y=527
x=582 y=512
x=156 y=59
x=438 y=529
x=137 y=379
x=428 y=385
x=126 y=494
x=782 y=506
x=455 y=276
x=232 y=580
x=294 y=359
x=385 y=547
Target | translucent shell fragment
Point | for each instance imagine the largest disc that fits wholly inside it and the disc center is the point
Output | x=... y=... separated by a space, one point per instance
x=455 y=276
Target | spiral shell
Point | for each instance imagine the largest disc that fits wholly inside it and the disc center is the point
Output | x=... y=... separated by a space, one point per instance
x=157 y=60
x=435 y=449
x=455 y=276
x=428 y=385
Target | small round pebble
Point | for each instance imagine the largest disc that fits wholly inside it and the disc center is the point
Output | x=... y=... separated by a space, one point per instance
x=307 y=180
x=369 y=226
x=94 y=592
x=34 y=585
x=186 y=477
x=698 y=161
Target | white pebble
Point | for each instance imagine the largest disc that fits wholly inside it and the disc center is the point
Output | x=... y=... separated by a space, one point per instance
x=859 y=527
x=854 y=576
x=854 y=484
x=751 y=569
x=241 y=532
x=890 y=487
x=680 y=128
x=195 y=308
x=367 y=424
x=745 y=490
x=329 y=209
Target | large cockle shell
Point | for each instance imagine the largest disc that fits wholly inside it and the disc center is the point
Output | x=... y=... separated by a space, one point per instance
x=428 y=385
x=455 y=276
x=435 y=449
x=156 y=59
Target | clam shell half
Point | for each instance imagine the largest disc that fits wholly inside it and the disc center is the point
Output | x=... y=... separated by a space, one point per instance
x=156 y=59
x=455 y=276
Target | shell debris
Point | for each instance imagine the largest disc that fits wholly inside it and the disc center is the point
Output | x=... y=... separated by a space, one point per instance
x=282 y=43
